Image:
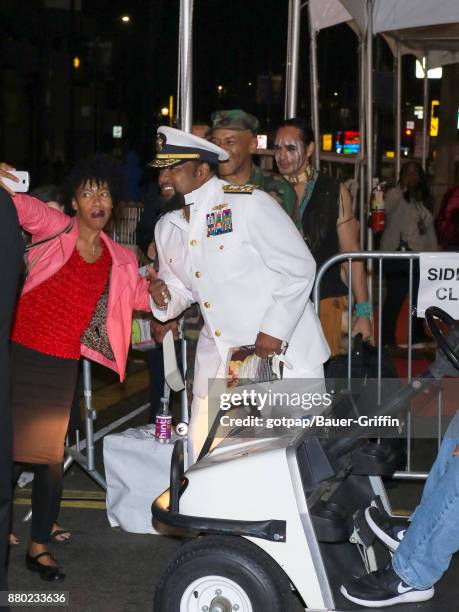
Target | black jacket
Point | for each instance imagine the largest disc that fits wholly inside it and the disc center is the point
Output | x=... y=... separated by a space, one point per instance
x=11 y=266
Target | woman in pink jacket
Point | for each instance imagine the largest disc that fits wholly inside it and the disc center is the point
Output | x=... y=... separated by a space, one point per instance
x=77 y=300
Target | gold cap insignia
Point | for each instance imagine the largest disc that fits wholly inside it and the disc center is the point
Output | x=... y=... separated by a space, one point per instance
x=219 y=207
x=165 y=163
x=160 y=142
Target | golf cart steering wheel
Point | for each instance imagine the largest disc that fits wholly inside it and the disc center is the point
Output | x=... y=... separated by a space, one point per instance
x=449 y=351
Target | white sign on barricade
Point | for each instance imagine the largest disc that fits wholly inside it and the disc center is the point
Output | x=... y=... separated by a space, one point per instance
x=439 y=282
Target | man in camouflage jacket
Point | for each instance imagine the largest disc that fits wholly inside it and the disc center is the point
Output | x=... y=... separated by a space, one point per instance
x=236 y=132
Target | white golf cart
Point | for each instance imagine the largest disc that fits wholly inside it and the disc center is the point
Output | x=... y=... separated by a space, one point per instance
x=276 y=524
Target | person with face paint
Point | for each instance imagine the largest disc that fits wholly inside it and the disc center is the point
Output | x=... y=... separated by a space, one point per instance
x=329 y=227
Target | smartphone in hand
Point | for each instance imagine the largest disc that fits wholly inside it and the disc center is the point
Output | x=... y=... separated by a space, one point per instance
x=22 y=186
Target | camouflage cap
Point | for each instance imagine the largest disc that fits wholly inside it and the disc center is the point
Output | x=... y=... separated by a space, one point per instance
x=235 y=119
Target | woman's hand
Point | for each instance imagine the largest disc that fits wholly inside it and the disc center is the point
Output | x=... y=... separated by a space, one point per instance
x=5 y=173
x=160 y=293
x=362 y=326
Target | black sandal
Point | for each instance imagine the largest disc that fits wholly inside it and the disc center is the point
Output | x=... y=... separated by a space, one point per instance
x=50 y=573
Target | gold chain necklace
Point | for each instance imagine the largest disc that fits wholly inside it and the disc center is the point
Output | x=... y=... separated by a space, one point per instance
x=303 y=177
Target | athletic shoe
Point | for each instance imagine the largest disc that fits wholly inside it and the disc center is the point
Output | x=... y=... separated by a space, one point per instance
x=388 y=529
x=383 y=588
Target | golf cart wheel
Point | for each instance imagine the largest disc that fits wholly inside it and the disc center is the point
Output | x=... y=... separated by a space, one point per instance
x=223 y=574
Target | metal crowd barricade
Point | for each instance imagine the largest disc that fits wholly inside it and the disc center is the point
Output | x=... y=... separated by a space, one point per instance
x=380 y=256
x=124 y=232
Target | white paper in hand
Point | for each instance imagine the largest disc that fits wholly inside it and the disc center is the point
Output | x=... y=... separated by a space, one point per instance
x=172 y=373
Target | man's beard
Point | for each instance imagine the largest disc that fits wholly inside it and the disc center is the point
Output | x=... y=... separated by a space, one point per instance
x=176 y=202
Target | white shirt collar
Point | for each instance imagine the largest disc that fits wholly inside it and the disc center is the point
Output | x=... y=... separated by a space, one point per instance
x=200 y=194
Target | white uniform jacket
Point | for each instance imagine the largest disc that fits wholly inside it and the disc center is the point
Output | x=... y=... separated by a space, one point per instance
x=257 y=277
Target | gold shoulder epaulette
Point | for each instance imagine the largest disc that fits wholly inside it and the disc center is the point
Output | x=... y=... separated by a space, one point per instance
x=239 y=188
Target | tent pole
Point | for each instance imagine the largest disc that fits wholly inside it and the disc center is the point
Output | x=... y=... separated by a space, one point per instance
x=362 y=185
x=293 y=47
x=369 y=137
x=186 y=64
x=314 y=85
x=398 y=111
x=369 y=109
x=178 y=111
x=288 y=62
x=425 y=115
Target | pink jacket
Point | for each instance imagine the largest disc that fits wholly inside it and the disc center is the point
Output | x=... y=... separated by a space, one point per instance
x=127 y=290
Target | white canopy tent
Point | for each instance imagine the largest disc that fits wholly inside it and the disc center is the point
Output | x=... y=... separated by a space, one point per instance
x=427 y=28
x=387 y=15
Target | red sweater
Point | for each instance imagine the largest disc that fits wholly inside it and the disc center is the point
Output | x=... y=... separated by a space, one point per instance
x=51 y=317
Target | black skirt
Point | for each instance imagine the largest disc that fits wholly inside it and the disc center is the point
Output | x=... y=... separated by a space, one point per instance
x=42 y=389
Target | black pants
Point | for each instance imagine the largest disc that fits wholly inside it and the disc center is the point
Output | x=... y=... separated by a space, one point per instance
x=46 y=498
x=397 y=280
x=75 y=422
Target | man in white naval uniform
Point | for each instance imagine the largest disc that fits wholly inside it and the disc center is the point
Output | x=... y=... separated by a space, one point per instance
x=235 y=252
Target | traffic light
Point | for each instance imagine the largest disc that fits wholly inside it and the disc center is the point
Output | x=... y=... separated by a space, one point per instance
x=76 y=62
x=408 y=132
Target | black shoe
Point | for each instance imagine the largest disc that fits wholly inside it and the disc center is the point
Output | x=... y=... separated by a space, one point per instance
x=388 y=529
x=383 y=588
x=51 y=573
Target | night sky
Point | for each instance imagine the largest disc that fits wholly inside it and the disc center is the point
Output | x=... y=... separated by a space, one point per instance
x=235 y=43
x=238 y=44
